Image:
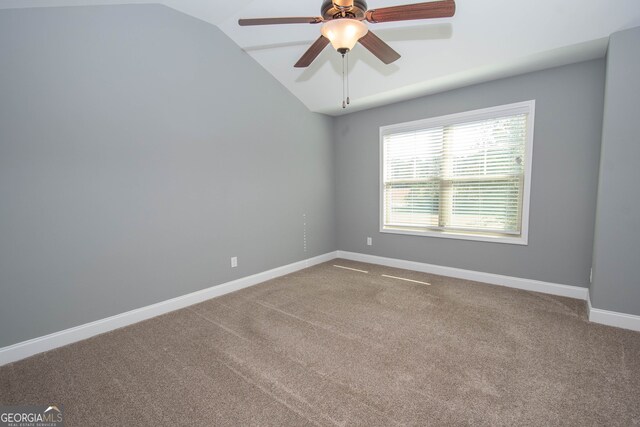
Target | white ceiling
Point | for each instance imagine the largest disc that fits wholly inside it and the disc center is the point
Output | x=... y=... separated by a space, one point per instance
x=485 y=40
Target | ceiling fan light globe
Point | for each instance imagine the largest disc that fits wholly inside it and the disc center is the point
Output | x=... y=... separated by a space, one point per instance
x=343 y=33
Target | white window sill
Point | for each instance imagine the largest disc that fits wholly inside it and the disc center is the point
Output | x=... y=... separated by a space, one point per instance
x=512 y=240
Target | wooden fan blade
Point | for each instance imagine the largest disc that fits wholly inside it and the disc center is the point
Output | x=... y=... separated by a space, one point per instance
x=375 y=45
x=272 y=21
x=313 y=52
x=427 y=10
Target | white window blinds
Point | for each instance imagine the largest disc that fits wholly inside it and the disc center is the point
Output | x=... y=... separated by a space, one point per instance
x=462 y=174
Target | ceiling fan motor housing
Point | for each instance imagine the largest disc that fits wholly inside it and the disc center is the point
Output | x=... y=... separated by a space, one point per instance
x=330 y=11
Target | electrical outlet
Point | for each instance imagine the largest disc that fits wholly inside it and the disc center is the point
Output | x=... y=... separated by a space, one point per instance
x=234 y=261
x=369 y=241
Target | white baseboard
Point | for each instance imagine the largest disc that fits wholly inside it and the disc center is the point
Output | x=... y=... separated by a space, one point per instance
x=28 y=348
x=478 y=276
x=613 y=318
x=596 y=315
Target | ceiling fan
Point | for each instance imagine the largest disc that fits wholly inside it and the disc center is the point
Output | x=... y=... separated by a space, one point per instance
x=343 y=26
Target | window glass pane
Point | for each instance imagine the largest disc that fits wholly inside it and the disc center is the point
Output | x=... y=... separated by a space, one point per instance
x=489 y=147
x=486 y=205
x=412 y=205
x=413 y=155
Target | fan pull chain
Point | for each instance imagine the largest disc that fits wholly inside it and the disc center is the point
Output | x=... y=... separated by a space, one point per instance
x=344 y=104
x=347 y=78
x=345 y=81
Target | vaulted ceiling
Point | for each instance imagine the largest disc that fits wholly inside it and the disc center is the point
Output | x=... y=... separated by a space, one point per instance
x=485 y=40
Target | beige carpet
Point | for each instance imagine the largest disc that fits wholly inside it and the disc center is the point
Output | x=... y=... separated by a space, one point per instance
x=331 y=346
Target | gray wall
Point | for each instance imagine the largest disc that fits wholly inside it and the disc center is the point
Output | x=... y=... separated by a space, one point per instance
x=139 y=150
x=616 y=258
x=569 y=103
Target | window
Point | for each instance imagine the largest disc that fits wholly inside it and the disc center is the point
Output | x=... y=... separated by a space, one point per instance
x=464 y=176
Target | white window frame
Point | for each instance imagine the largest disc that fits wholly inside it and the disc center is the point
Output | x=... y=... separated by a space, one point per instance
x=525 y=107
